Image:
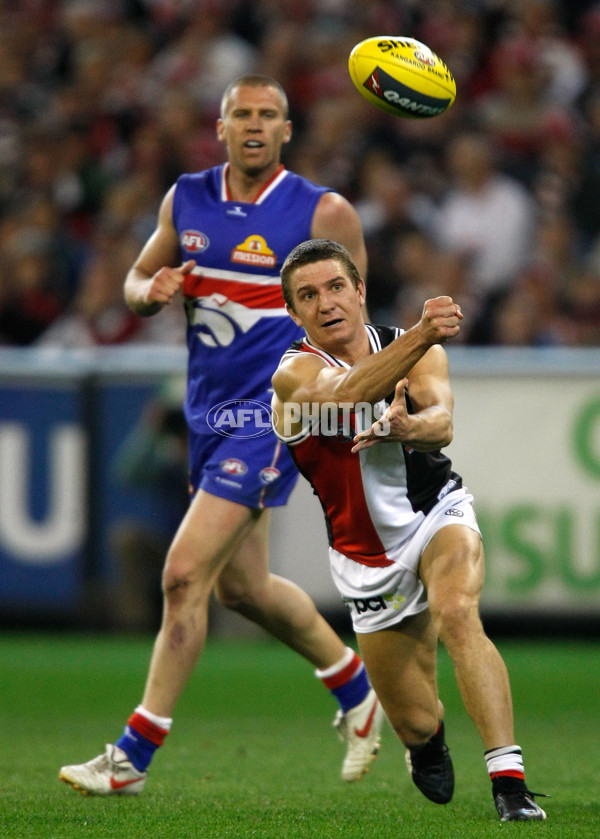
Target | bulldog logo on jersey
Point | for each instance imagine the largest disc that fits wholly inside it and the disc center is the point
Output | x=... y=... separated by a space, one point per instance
x=254 y=251
x=216 y=318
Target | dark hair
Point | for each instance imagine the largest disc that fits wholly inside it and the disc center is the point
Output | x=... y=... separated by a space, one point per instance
x=315 y=250
x=253 y=80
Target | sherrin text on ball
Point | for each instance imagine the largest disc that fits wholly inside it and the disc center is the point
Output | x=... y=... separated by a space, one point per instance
x=402 y=76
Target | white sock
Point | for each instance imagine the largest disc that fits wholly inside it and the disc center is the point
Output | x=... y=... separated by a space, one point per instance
x=338 y=666
x=161 y=722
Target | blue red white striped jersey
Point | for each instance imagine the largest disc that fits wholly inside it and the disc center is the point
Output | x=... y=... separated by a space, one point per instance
x=375 y=499
x=237 y=323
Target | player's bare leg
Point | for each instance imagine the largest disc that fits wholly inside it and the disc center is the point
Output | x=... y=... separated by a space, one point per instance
x=401 y=662
x=210 y=532
x=452 y=569
x=282 y=608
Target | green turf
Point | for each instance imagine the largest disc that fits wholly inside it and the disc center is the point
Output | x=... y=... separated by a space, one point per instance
x=252 y=753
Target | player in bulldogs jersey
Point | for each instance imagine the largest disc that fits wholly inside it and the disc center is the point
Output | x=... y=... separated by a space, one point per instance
x=221 y=238
x=405 y=547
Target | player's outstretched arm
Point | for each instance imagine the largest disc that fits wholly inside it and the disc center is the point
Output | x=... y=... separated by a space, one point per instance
x=306 y=379
x=375 y=376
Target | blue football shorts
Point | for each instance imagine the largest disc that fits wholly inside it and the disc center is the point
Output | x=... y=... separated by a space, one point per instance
x=257 y=472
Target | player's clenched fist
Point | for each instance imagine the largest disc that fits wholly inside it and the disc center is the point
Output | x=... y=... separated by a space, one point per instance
x=440 y=319
x=166 y=283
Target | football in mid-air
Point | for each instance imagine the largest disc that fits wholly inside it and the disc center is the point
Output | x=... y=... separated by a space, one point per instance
x=402 y=76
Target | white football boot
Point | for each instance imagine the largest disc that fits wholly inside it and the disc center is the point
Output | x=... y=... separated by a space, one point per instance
x=360 y=728
x=111 y=773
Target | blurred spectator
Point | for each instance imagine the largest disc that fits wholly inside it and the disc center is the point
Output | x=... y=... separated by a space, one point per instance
x=30 y=301
x=386 y=212
x=516 y=321
x=204 y=56
x=326 y=152
x=584 y=203
x=533 y=311
x=519 y=113
x=588 y=41
x=541 y=24
x=98 y=314
x=425 y=271
x=184 y=138
x=487 y=218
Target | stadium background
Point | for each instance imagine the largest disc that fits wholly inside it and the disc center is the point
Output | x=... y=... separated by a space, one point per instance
x=103 y=104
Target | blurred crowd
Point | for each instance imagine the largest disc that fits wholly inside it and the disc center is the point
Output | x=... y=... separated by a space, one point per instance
x=103 y=103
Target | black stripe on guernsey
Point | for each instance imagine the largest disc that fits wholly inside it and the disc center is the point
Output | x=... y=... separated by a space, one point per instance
x=381 y=336
x=427 y=473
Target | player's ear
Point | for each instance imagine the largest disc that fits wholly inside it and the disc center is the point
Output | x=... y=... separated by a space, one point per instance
x=287 y=133
x=293 y=315
x=220 y=130
x=362 y=291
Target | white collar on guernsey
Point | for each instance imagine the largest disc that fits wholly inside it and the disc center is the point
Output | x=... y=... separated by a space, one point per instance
x=374 y=341
x=264 y=193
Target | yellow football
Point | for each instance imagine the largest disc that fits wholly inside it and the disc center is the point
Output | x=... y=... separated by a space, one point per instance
x=402 y=76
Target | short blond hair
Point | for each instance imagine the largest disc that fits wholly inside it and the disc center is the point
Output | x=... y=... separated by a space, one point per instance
x=254 y=80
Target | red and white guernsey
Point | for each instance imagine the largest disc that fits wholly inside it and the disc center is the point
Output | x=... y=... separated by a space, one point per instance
x=377 y=498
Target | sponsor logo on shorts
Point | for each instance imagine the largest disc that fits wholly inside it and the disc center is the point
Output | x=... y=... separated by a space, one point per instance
x=367 y=604
x=269 y=474
x=375 y=604
x=233 y=466
x=230 y=483
x=240 y=418
x=454 y=511
x=394 y=600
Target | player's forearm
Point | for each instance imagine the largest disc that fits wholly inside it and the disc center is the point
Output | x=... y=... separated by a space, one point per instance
x=136 y=290
x=374 y=377
x=429 y=430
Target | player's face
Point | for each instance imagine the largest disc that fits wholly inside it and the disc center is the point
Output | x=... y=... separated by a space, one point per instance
x=254 y=128
x=327 y=304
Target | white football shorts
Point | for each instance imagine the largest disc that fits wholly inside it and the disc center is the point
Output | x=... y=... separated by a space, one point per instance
x=380 y=597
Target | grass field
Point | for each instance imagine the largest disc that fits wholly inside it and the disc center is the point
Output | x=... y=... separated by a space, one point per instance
x=252 y=752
